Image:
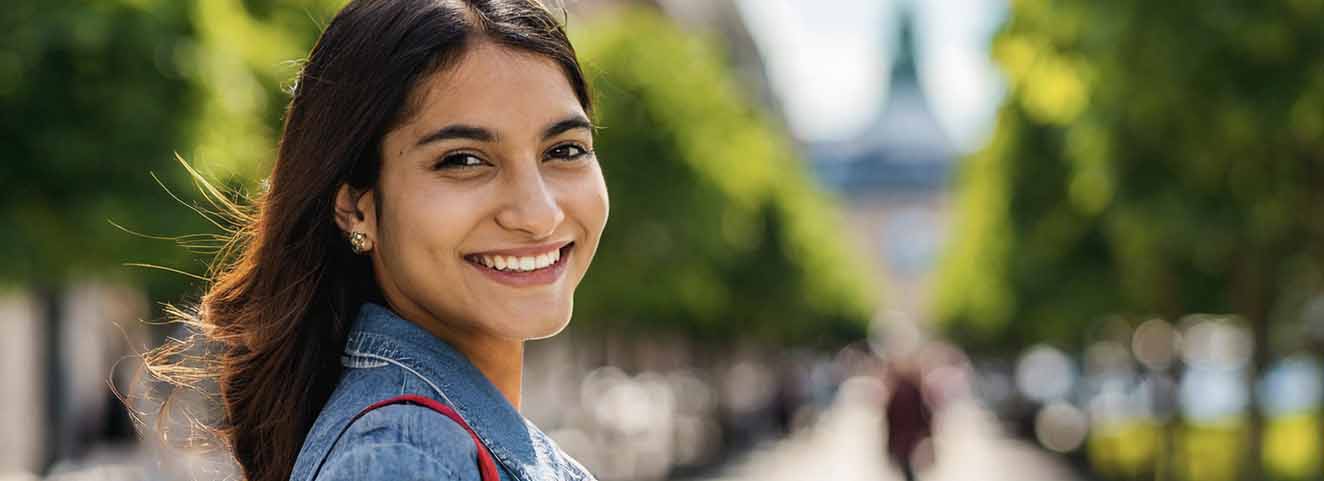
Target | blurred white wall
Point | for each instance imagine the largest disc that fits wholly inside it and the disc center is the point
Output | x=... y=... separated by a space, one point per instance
x=21 y=386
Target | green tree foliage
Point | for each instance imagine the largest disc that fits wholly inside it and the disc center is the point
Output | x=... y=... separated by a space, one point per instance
x=1152 y=158
x=715 y=228
x=245 y=55
x=91 y=101
x=99 y=97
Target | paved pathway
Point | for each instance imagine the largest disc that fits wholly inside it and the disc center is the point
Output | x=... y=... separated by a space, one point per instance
x=846 y=444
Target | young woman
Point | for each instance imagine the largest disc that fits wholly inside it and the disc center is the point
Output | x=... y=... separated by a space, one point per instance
x=434 y=203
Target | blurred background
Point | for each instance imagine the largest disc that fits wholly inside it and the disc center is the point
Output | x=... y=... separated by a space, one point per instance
x=850 y=239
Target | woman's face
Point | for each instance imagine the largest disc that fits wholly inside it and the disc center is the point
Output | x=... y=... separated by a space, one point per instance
x=491 y=199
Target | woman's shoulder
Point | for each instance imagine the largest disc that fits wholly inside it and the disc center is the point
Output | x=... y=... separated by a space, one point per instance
x=402 y=442
x=399 y=441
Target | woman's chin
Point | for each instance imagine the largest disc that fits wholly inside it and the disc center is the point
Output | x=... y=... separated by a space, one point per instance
x=530 y=328
x=546 y=333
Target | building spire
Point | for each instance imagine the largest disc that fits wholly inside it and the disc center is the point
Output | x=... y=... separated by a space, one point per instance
x=904 y=69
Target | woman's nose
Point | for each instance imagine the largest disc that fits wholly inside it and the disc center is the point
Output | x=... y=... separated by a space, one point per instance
x=531 y=207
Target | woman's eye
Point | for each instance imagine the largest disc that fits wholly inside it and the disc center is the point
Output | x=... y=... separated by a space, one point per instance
x=566 y=152
x=458 y=161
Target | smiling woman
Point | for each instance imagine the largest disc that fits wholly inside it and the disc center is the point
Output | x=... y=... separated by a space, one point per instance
x=494 y=161
x=434 y=204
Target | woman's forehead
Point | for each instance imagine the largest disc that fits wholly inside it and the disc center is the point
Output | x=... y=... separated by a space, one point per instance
x=497 y=88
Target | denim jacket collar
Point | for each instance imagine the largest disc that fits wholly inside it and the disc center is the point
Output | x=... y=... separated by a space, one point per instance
x=380 y=335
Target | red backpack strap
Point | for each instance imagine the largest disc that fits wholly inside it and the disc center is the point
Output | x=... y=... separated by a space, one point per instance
x=486 y=466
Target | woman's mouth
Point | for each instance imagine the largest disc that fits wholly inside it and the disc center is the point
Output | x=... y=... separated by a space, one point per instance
x=523 y=270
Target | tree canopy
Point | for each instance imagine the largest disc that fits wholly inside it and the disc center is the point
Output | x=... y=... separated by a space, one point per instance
x=98 y=101
x=716 y=226
x=1152 y=158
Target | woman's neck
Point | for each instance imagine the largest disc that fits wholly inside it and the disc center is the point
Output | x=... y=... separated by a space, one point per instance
x=500 y=360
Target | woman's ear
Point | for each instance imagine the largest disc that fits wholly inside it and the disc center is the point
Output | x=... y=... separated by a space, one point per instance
x=355 y=211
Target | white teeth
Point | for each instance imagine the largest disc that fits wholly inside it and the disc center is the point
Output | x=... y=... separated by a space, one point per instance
x=520 y=264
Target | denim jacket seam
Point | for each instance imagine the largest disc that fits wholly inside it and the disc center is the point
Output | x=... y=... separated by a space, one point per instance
x=366 y=342
x=401 y=364
x=356 y=360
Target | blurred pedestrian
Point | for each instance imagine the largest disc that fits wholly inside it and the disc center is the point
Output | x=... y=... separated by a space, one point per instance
x=908 y=415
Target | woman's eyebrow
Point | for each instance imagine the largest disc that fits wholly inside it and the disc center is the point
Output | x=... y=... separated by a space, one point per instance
x=567 y=124
x=457 y=131
x=462 y=131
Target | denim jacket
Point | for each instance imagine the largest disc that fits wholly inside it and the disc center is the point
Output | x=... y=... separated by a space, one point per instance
x=386 y=356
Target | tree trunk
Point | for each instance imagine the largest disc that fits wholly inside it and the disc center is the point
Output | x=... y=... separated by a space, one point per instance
x=1251 y=301
x=1255 y=421
x=52 y=312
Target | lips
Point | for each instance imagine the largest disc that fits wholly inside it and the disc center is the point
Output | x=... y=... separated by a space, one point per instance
x=534 y=266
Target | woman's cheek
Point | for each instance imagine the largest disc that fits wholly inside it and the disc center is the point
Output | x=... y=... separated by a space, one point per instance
x=602 y=197
x=435 y=221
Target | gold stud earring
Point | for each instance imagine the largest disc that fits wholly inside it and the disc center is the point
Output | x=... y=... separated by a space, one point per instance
x=359 y=242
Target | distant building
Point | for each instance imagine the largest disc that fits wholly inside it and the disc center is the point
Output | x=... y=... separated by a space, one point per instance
x=894 y=180
x=905 y=150
x=893 y=177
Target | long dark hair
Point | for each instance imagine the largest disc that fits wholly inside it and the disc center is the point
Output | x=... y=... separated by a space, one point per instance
x=286 y=288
